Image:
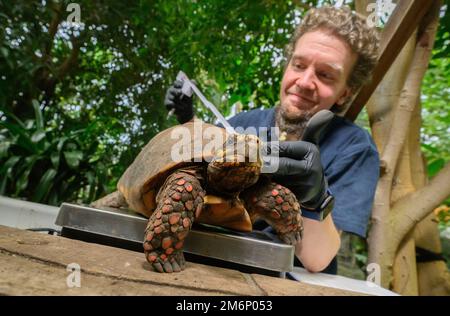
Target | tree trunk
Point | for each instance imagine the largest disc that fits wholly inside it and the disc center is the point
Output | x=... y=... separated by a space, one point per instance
x=405 y=281
x=395 y=213
x=381 y=108
x=405 y=269
x=416 y=206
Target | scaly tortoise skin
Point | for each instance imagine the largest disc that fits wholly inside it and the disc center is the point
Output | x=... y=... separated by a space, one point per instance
x=225 y=193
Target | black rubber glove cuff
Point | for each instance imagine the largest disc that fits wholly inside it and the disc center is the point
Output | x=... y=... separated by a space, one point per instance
x=317 y=201
x=322 y=211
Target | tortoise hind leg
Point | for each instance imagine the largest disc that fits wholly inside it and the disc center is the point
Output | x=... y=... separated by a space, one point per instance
x=178 y=201
x=278 y=206
x=114 y=199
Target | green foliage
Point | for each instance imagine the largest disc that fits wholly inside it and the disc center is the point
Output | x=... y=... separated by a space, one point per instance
x=436 y=114
x=99 y=86
x=45 y=164
x=436 y=99
x=443 y=35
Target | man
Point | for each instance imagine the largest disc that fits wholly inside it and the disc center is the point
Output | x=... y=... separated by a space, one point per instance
x=330 y=56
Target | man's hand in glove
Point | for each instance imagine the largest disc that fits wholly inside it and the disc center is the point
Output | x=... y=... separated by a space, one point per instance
x=180 y=103
x=300 y=168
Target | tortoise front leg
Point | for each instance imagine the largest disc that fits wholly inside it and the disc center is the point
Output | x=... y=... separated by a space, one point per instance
x=179 y=200
x=278 y=206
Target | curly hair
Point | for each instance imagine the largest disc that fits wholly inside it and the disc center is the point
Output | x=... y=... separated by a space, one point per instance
x=348 y=26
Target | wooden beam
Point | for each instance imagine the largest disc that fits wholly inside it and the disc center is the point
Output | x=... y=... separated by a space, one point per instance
x=402 y=23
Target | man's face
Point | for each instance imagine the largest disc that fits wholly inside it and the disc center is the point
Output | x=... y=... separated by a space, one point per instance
x=316 y=76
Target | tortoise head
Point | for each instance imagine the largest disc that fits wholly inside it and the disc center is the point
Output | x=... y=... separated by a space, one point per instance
x=236 y=166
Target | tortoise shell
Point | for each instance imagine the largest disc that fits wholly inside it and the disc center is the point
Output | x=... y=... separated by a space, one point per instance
x=179 y=148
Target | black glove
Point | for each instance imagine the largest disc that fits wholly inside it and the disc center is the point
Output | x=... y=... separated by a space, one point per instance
x=180 y=103
x=300 y=168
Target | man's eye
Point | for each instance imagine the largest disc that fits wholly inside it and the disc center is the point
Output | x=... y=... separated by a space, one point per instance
x=325 y=75
x=299 y=66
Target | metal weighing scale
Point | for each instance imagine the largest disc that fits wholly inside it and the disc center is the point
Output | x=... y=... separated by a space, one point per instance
x=251 y=252
x=248 y=252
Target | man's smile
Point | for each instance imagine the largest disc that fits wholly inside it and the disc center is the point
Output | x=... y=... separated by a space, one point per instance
x=299 y=100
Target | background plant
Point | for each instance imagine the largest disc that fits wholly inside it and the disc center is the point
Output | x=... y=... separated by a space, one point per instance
x=99 y=85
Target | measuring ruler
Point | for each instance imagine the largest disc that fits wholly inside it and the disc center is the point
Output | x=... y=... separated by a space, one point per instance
x=188 y=88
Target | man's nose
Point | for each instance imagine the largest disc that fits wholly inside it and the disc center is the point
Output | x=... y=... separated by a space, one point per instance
x=306 y=80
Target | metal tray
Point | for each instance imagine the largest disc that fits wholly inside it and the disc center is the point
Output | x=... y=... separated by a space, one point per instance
x=253 y=249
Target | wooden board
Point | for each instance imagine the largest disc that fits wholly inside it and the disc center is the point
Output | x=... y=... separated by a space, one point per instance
x=36 y=264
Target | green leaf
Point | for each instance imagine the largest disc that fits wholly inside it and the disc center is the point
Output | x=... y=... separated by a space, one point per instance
x=61 y=142
x=3 y=185
x=430 y=148
x=22 y=174
x=14 y=117
x=73 y=158
x=14 y=129
x=38 y=115
x=5 y=52
x=435 y=166
x=8 y=165
x=93 y=159
x=92 y=185
x=361 y=258
x=23 y=139
x=38 y=136
x=54 y=199
x=22 y=181
x=6 y=173
x=44 y=185
x=4 y=146
x=54 y=157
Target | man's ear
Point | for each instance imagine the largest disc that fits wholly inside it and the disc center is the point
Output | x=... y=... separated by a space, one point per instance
x=344 y=96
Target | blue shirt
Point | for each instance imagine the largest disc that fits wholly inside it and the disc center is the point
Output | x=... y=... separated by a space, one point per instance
x=350 y=162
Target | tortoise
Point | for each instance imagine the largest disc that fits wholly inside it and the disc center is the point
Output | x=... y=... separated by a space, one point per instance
x=206 y=186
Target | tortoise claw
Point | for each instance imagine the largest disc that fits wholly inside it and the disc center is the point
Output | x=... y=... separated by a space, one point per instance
x=180 y=260
x=158 y=267
x=168 y=267
x=172 y=263
x=176 y=267
x=291 y=238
